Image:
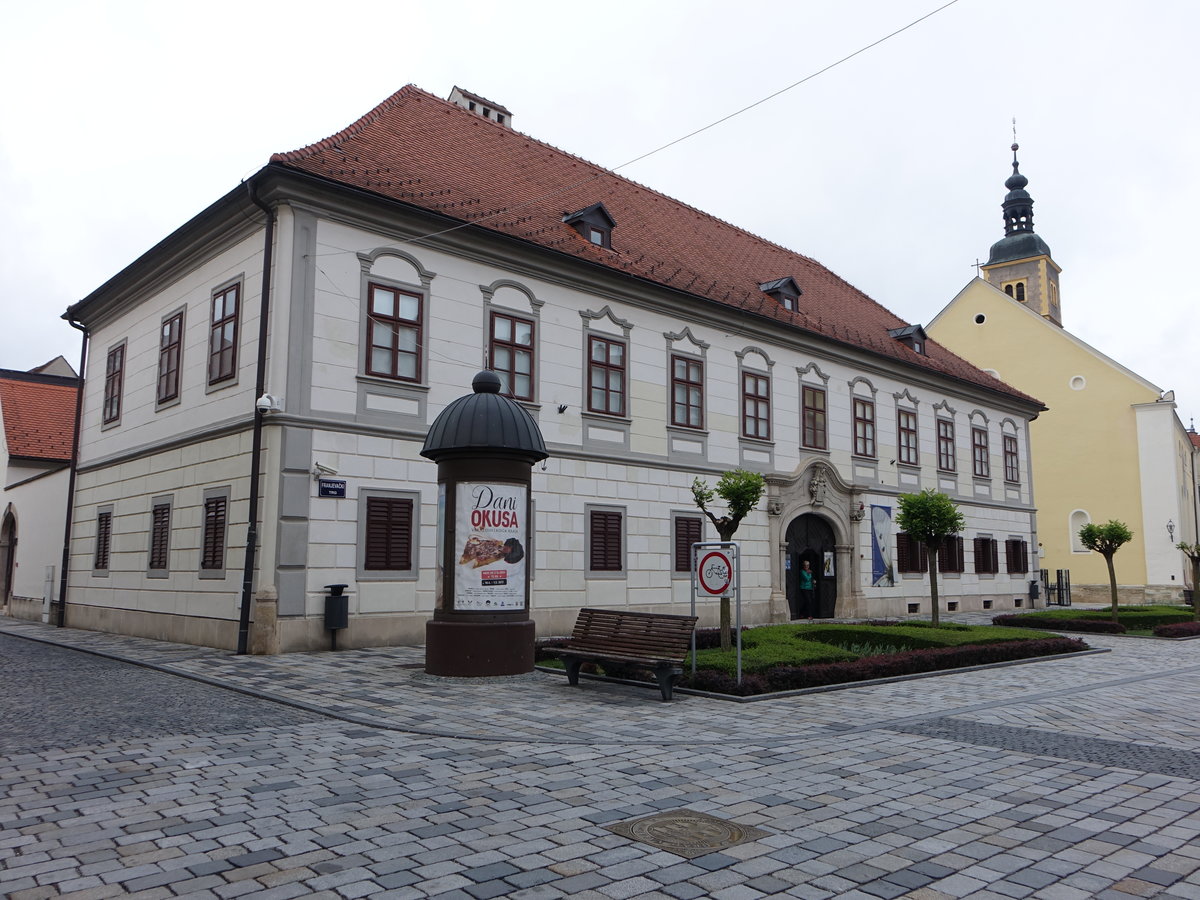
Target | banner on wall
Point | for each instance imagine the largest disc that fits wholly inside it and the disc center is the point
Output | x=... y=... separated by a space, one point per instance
x=881 y=547
x=491 y=533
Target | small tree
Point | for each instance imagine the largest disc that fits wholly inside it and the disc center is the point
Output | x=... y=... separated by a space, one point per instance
x=1192 y=552
x=741 y=491
x=1106 y=540
x=930 y=518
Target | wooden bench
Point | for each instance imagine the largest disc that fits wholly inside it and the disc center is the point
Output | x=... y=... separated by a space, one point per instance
x=656 y=642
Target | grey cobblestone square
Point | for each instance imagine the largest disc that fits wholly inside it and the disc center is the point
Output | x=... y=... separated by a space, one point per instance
x=976 y=784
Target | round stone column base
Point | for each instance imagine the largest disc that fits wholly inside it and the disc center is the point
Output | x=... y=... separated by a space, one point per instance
x=478 y=649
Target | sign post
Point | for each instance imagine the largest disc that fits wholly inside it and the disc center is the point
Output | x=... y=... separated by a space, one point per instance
x=716 y=572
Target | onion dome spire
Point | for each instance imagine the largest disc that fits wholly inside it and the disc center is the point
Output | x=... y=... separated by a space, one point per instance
x=1019 y=241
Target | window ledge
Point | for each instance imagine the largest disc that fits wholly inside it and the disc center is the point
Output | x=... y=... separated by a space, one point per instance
x=391 y=382
x=607 y=418
x=824 y=451
x=756 y=442
x=686 y=430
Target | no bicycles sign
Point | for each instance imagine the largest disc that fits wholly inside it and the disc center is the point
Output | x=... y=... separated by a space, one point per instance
x=715 y=572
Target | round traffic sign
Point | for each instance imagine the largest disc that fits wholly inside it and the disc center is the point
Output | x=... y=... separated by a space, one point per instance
x=715 y=572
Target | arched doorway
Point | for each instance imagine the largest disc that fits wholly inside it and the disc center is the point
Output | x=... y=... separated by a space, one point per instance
x=810 y=539
x=8 y=555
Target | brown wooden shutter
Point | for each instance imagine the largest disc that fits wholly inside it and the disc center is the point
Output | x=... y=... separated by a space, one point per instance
x=1016 y=552
x=212 y=552
x=160 y=529
x=103 y=540
x=388 y=541
x=687 y=532
x=605 y=541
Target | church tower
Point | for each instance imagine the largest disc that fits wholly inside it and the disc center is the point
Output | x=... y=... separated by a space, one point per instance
x=1020 y=262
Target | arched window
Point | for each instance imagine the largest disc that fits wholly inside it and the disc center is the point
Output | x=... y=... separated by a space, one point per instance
x=1020 y=292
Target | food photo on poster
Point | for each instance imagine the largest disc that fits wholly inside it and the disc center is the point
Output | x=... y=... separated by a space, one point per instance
x=491 y=532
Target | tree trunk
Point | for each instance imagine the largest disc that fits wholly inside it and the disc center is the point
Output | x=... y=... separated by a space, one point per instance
x=1112 y=584
x=1196 y=588
x=933 y=587
x=726 y=535
x=933 y=596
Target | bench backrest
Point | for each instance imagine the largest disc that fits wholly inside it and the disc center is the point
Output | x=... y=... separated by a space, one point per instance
x=633 y=634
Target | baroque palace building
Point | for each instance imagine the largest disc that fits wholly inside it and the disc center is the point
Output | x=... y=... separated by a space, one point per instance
x=292 y=343
x=1111 y=445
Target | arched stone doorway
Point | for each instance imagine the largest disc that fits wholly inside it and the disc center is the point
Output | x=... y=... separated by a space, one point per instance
x=810 y=538
x=8 y=555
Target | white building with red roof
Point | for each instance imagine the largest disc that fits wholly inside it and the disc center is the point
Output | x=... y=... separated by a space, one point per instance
x=352 y=289
x=37 y=412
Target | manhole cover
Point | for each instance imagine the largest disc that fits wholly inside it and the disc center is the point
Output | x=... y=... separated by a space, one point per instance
x=686 y=833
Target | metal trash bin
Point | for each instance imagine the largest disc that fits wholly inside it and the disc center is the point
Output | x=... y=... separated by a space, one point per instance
x=337 y=611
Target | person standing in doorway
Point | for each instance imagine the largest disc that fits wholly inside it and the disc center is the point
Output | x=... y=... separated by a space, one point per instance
x=808 y=594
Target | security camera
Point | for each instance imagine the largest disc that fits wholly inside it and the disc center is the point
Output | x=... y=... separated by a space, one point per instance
x=266 y=403
x=319 y=470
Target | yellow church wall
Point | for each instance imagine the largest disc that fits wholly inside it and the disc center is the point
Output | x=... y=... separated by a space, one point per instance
x=1085 y=447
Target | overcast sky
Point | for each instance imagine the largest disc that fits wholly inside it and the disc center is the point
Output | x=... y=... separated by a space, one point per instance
x=119 y=121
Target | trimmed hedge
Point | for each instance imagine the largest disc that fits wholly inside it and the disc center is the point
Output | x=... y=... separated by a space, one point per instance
x=786 y=678
x=1094 y=626
x=1178 y=629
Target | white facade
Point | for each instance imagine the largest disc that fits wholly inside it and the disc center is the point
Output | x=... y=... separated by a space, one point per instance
x=367 y=429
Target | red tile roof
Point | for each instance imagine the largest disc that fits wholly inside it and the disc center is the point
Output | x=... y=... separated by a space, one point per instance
x=39 y=415
x=1195 y=439
x=422 y=150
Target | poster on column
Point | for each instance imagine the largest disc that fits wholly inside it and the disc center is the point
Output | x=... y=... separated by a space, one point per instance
x=491 y=534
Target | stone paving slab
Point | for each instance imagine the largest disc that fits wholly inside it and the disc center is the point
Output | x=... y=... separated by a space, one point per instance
x=1071 y=778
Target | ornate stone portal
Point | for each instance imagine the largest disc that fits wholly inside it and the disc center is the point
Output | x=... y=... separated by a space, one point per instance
x=816 y=489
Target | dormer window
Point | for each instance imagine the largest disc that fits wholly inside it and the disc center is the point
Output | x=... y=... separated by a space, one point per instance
x=594 y=223
x=912 y=336
x=783 y=291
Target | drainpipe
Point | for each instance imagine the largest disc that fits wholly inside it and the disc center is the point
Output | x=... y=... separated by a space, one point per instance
x=61 y=619
x=256 y=447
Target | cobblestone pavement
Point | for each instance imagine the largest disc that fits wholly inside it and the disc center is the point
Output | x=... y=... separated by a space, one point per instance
x=1062 y=779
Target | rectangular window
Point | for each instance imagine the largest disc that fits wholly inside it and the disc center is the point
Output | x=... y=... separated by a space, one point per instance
x=103 y=540
x=169 y=345
x=114 y=380
x=986 y=561
x=864 y=427
x=687 y=392
x=979 y=453
x=212 y=545
x=511 y=354
x=222 y=345
x=388 y=534
x=906 y=423
x=605 y=539
x=950 y=556
x=1012 y=465
x=1016 y=556
x=394 y=333
x=945 y=445
x=688 y=531
x=756 y=406
x=911 y=555
x=814 y=418
x=606 y=376
x=160 y=537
